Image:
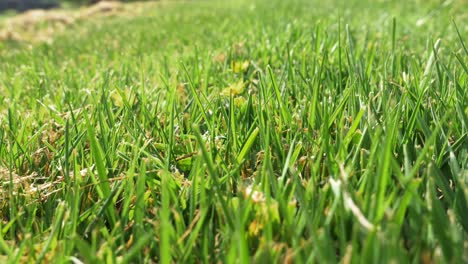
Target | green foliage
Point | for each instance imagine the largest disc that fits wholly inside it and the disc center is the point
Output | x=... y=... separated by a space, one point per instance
x=240 y=131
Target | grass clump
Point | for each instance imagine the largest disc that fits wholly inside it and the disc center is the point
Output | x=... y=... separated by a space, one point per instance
x=243 y=132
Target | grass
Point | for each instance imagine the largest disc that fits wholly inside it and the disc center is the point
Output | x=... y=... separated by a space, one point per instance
x=240 y=131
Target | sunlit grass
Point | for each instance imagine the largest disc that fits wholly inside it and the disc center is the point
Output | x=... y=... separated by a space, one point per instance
x=245 y=131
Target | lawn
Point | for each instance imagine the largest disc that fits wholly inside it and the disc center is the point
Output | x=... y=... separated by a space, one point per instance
x=263 y=131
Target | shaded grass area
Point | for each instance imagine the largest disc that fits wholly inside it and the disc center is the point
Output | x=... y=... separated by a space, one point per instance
x=241 y=131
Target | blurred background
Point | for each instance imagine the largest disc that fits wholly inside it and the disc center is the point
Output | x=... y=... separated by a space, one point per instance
x=24 y=5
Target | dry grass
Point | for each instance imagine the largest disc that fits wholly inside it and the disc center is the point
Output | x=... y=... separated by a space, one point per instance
x=42 y=25
x=31 y=187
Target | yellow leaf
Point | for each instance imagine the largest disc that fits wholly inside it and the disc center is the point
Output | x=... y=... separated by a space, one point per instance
x=239 y=101
x=234 y=89
x=117 y=99
x=255 y=228
x=240 y=66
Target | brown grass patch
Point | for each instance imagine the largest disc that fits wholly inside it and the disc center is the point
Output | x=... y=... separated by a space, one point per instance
x=41 y=25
